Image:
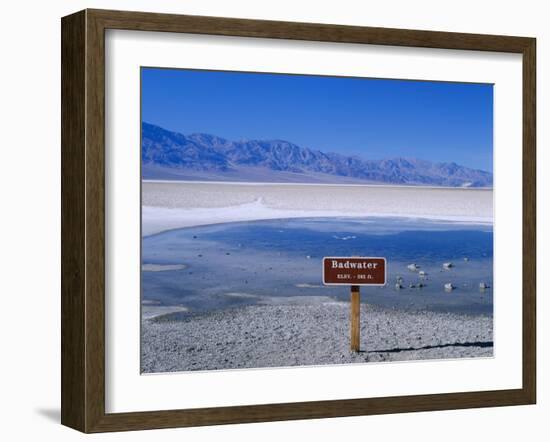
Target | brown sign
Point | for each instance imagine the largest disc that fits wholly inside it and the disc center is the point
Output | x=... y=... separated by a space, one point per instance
x=356 y=270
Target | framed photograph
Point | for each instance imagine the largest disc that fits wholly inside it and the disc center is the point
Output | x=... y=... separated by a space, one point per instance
x=269 y=220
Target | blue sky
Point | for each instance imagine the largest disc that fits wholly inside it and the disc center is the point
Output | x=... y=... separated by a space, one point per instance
x=371 y=118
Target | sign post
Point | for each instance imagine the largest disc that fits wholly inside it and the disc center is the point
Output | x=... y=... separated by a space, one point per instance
x=354 y=271
x=355 y=327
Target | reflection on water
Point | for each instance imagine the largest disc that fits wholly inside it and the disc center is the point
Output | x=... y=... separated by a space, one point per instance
x=234 y=264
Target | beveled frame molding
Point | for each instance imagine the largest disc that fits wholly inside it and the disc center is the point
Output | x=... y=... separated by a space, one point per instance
x=83 y=220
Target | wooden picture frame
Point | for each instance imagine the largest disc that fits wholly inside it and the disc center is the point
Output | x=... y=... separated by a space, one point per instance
x=83 y=220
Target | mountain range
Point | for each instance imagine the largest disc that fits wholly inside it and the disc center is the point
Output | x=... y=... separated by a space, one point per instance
x=172 y=155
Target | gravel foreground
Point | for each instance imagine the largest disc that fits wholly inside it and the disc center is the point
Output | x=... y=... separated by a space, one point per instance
x=294 y=335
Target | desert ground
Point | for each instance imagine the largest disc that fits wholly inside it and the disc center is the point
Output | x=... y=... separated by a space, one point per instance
x=295 y=334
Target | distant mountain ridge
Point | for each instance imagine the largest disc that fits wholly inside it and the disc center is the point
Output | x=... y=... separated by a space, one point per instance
x=172 y=155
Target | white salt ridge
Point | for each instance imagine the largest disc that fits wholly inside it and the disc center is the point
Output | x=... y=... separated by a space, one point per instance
x=172 y=205
x=159 y=219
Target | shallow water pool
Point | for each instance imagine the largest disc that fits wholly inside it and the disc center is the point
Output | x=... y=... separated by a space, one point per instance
x=227 y=265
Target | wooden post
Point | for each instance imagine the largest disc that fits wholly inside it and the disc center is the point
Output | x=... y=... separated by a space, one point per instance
x=354 y=317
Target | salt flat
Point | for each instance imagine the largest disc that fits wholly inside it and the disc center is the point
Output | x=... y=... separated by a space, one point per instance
x=176 y=204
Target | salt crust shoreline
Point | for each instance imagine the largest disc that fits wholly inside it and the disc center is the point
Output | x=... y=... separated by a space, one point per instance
x=173 y=205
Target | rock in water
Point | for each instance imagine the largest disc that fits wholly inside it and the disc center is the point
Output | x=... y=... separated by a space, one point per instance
x=449 y=287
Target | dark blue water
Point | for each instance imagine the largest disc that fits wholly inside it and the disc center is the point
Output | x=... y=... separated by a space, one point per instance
x=262 y=261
